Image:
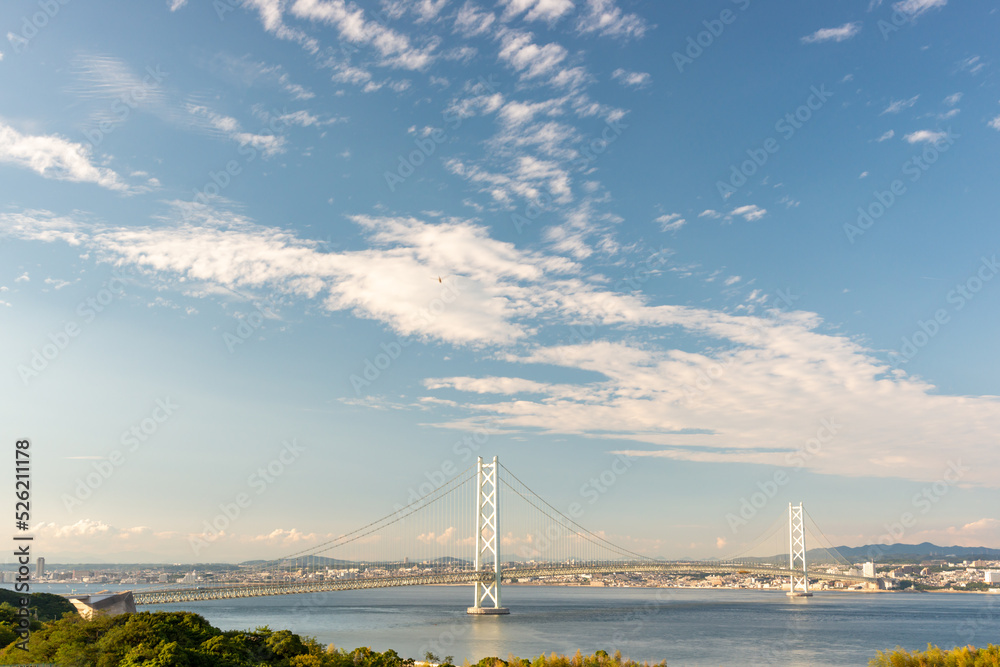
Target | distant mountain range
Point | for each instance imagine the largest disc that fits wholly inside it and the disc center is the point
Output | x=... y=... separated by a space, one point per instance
x=922 y=550
x=882 y=553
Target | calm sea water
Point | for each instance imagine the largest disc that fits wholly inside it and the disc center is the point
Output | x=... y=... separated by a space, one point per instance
x=681 y=626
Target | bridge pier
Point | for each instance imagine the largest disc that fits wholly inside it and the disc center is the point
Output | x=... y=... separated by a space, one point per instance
x=488 y=539
x=799 y=585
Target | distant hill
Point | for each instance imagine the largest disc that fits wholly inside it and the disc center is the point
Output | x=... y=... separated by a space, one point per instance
x=882 y=553
x=923 y=550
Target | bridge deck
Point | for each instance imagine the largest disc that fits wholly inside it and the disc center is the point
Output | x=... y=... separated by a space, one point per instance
x=291 y=588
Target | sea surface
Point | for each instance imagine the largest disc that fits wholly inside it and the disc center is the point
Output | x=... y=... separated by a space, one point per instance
x=681 y=626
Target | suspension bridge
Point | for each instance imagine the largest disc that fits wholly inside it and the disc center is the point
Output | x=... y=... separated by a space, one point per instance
x=429 y=541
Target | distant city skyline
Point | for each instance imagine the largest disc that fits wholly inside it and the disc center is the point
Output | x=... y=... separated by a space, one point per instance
x=288 y=262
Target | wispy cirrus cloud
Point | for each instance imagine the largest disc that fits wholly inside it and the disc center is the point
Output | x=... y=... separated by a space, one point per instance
x=395 y=48
x=670 y=222
x=838 y=34
x=54 y=157
x=914 y=8
x=531 y=61
x=605 y=18
x=632 y=79
x=271 y=14
x=471 y=21
x=772 y=379
x=230 y=128
x=536 y=10
x=896 y=106
x=749 y=212
x=925 y=136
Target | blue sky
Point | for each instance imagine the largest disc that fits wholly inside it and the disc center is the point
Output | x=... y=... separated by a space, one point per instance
x=728 y=240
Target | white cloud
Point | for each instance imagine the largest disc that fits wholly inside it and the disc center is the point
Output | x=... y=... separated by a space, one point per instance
x=471 y=21
x=750 y=212
x=23 y=278
x=56 y=283
x=864 y=174
x=995 y=123
x=270 y=13
x=176 y=4
x=914 y=8
x=250 y=72
x=972 y=65
x=839 y=34
x=709 y=213
x=229 y=127
x=888 y=134
x=56 y=158
x=608 y=20
x=714 y=405
x=953 y=99
x=634 y=79
x=670 y=222
x=394 y=47
x=925 y=135
x=732 y=280
x=898 y=105
x=424 y=10
x=527 y=58
x=537 y=10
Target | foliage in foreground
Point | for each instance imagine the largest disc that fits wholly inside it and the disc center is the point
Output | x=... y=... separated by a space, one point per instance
x=599 y=659
x=967 y=656
x=43 y=606
x=184 y=639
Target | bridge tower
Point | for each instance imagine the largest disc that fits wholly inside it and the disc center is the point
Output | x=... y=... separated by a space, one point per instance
x=488 y=538
x=799 y=587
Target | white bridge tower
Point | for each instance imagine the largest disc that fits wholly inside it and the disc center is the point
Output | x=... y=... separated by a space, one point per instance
x=797 y=552
x=488 y=538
